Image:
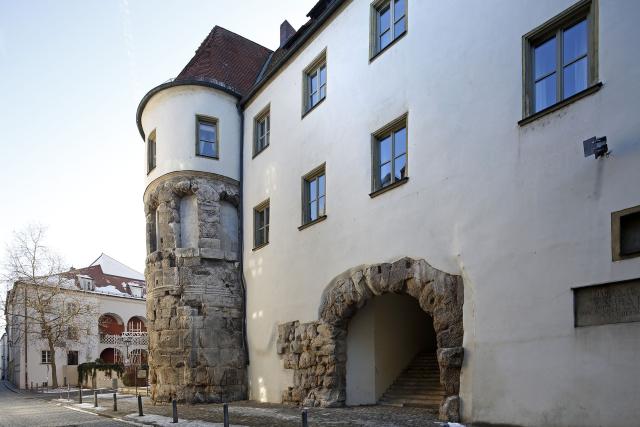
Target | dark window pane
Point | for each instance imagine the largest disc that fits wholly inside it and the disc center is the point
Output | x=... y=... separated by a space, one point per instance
x=323 y=75
x=400 y=166
x=545 y=92
x=207 y=149
x=314 y=99
x=266 y=216
x=313 y=210
x=575 y=77
x=385 y=150
x=321 y=185
x=321 y=205
x=398 y=27
x=630 y=234
x=398 y=9
x=574 y=42
x=385 y=174
x=400 y=142
x=544 y=58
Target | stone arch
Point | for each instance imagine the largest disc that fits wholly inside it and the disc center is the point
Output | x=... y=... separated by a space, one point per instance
x=137 y=324
x=317 y=350
x=110 y=324
x=111 y=355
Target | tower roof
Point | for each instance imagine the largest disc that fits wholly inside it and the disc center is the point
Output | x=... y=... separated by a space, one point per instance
x=228 y=58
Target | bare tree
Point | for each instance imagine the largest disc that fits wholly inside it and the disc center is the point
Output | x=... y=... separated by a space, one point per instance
x=44 y=299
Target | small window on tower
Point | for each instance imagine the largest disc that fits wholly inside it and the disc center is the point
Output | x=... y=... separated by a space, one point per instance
x=151 y=152
x=207 y=137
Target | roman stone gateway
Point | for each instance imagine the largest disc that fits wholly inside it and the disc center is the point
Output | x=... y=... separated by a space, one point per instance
x=195 y=298
x=316 y=351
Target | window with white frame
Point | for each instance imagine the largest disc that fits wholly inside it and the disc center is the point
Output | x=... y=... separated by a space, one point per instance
x=45 y=356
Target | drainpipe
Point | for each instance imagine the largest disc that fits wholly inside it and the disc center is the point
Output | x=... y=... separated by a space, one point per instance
x=245 y=340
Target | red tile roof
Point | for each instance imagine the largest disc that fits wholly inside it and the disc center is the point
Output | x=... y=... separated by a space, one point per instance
x=228 y=58
x=102 y=280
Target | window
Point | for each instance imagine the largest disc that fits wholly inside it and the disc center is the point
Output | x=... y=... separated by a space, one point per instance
x=261 y=132
x=625 y=233
x=388 y=23
x=315 y=82
x=207 y=137
x=261 y=225
x=313 y=196
x=72 y=333
x=560 y=58
x=45 y=357
x=151 y=152
x=390 y=155
x=72 y=357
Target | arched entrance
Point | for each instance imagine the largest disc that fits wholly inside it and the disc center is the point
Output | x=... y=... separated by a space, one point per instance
x=317 y=351
x=111 y=355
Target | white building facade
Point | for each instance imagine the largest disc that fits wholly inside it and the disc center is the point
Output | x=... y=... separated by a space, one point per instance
x=118 y=325
x=452 y=142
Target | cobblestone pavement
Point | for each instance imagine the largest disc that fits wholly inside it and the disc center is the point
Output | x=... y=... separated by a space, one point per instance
x=249 y=413
x=18 y=410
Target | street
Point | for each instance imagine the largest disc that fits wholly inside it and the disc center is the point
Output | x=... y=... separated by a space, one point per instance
x=17 y=410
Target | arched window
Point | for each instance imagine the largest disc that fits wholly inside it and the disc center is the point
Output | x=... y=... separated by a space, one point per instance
x=136 y=324
x=110 y=324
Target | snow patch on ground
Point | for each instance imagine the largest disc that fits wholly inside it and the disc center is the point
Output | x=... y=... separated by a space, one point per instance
x=167 y=422
x=89 y=406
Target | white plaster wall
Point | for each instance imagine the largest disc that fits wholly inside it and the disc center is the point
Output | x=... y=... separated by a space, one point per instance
x=361 y=352
x=89 y=348
x=172 y=113
x=516 y=210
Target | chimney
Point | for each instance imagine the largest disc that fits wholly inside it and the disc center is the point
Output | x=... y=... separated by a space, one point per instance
x=286 y=31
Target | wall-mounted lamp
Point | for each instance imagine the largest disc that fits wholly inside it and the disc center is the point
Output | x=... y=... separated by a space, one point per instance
x=596 y=146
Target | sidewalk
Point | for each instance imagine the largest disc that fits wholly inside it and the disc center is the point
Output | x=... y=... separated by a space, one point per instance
x=249 y=413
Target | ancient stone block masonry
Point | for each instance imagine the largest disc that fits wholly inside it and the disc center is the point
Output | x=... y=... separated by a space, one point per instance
x=316 y=351
x=195 y=296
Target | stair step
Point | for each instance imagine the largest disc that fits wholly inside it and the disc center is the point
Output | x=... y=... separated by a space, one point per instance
x=418 y=385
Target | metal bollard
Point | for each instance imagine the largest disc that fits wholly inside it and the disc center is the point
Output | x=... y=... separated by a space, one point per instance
x=304 y=418
x=225 y=411
x=80 y=395
x=140 y=414
x=174 y=403
x=31 y=385
x=95 y=399
x=115 y=403
x=68 y=392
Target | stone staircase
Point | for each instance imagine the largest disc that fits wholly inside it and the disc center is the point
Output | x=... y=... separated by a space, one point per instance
x=418 y=385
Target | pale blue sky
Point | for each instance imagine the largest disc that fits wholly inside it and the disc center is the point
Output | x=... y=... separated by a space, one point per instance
x=71 y=75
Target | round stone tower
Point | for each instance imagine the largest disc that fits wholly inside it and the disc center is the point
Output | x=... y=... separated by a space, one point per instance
x=195 y=301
